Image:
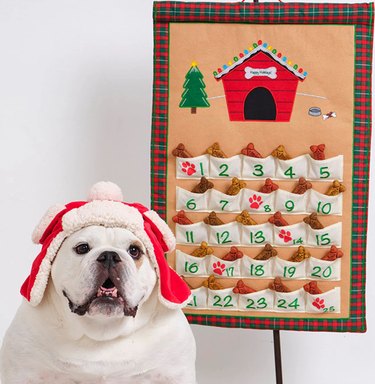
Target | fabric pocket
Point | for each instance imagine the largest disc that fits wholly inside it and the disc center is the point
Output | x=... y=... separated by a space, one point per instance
x=187 y=265
x=258 y=168
x=223 y=168
x=189 y=201
x=193 y=167
x=323 y=269
x=328 y=169
x=256 y=235
x=325 y=237
x=257 y=301
x=290 y=301
x=325 y=205
x=292 y=169
x=225 y=234
x=222 y=299
x=328 y=302
x=289 y=269
x=287 y=202
x=223 y=268
x=198 y=298
x=257 y=269
x=257 y=202
x=191 y=233
x=291 y=235
x=221 y=202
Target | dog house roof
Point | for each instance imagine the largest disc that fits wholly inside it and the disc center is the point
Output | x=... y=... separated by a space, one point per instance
x=270 y=51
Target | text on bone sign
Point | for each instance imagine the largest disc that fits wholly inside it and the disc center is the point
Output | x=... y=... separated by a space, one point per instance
x=268 y=72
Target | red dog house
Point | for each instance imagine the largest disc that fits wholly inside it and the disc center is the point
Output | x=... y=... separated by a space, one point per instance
x=260 y=85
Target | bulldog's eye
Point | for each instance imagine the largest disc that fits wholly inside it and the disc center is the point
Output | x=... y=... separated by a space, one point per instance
x=135 y=252
x=82 y=248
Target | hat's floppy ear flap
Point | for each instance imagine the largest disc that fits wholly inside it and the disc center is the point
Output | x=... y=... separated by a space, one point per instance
x=45 y=221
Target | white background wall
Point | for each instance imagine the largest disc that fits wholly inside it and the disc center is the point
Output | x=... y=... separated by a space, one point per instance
x=75 y=108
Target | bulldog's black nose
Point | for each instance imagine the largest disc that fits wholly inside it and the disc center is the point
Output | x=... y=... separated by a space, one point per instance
x=109 y=259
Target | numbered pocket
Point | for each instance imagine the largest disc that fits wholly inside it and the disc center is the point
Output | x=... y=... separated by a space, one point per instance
x=257 y=301
x=220 y=202
x=292 y=169
x=187 y=265
x=291 y=235
x=289 y=269
x=198 y=298
x=191 y=233
x=325 y=237
x=324 y=303
x=325 y=205
x=225 y=234
x=192 y=167
x=189 y=201
x=287 y=202
x=257 y=202
x=255 y=168
x=323 y=269
x=257 y=269
x=290 y=301
x=329 y=169
x=222 y=299
x=225 y=168
x=256 y=235
x=223 y=268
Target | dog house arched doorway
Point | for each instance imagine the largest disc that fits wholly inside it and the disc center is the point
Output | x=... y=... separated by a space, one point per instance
x=260 y=105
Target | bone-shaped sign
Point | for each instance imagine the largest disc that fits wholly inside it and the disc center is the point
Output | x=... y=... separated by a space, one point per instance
x=252 y=72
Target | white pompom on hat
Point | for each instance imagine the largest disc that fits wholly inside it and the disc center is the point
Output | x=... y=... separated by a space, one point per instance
x=105 y=207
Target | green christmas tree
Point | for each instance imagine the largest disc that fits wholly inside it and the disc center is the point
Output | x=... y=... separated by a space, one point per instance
x=194 y=95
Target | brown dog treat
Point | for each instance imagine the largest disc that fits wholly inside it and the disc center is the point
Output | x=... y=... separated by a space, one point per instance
x=335 y=188
x=181 y=218
x=278 y=286
x=242 y=288
x=269 y=186
x=333 y=254
x=203 y=250
x=280 y=153
x=233 y=254
x=318 y=151
x=180 y=151
x=215 y=151
x=302 y=186
x=203 y=186
x=312 y=288
x=251 y=151
x=211 y=283
x=245 y=218
x=278 y=220
x=235 y=187
x=212 y=219
x=301 y=254
x=266 y=253
x=313 y=221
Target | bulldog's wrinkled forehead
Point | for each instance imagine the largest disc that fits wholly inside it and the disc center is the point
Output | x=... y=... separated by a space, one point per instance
x=106 y=213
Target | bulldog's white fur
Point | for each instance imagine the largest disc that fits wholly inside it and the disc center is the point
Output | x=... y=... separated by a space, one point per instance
x=50 y=343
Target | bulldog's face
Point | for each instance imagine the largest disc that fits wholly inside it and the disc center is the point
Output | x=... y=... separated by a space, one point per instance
x=103 y=272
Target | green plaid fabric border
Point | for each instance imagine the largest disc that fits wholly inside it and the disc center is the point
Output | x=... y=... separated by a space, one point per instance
x=359 y=15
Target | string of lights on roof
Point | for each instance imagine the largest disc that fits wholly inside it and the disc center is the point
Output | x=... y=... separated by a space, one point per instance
x=252 y=50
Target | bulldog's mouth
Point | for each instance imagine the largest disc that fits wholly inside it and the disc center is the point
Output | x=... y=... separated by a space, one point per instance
x=107 y=298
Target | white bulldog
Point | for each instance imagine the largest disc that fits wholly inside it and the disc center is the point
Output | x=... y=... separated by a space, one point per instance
x=102 y=305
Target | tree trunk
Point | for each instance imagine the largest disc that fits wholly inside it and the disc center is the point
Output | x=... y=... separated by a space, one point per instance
x=193 y=109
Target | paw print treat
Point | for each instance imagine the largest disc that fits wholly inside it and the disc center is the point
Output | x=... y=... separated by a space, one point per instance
x=245 y=218
x=251 y=151
x=212 y=219
x=181 y=151
x=313 y=221
x=266 y=253
x=302 y=186
x=301 y=254
x=333 y=254
x=335 y=188
x=215 y=151
x=280 y=153
x=318 y=152
x=211 y=283
x=242 y=288
x=235 y=187
x=203 y=250
x=278 y=220
x=278 y=286
x=233 y=254
x=269 y=186
x=181 y=218
x=312 y=288
x=203 y=186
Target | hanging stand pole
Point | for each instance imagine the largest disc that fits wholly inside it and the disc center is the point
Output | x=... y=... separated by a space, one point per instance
x=277 y=351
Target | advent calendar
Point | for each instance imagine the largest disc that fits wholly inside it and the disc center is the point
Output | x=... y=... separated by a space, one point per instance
x=260 y=159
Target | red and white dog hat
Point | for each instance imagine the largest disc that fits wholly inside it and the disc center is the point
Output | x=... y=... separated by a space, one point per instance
x=105 y=207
